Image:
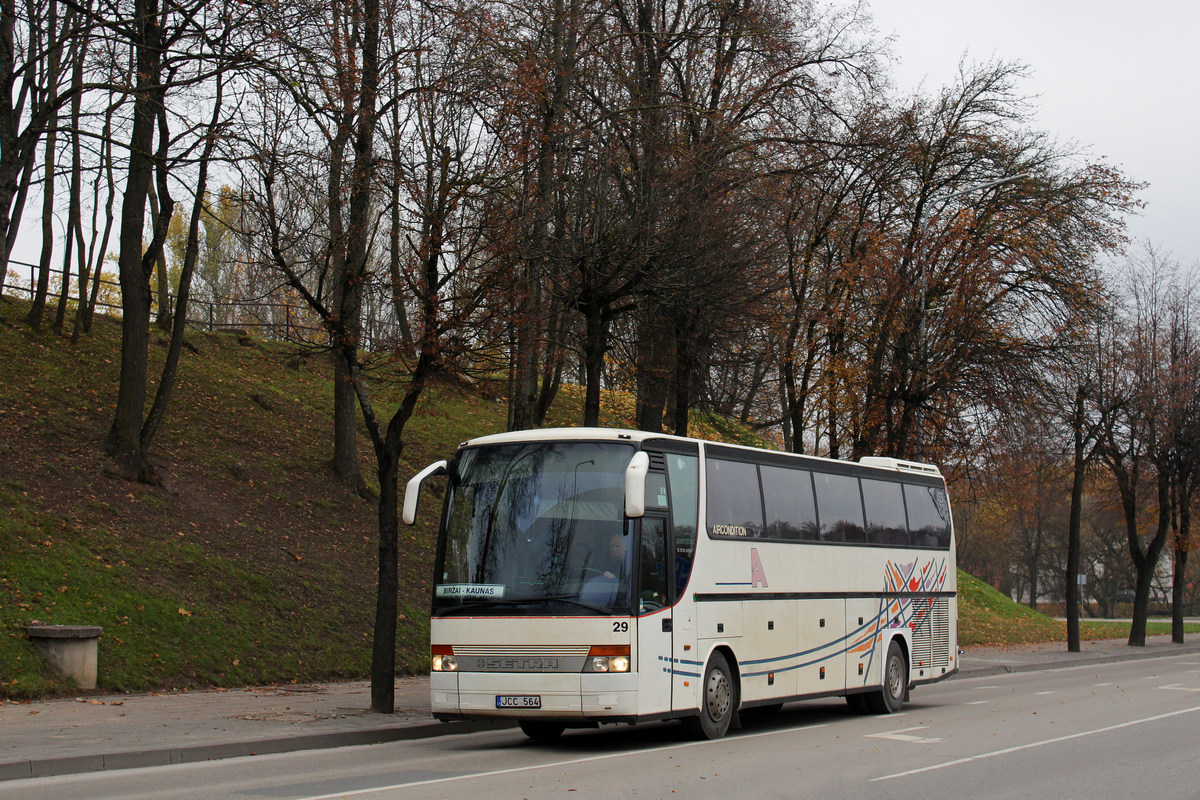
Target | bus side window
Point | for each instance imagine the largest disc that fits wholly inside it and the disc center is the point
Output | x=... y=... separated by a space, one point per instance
x=839 y=508
x=734 y=499
x=884 y=502
x=928 y=516
x=788 y=498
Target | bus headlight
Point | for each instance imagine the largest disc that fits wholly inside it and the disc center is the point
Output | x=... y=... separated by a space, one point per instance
x=608 y=658
x=443 y=659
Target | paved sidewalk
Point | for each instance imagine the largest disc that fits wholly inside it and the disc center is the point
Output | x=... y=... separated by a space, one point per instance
x=99 y=732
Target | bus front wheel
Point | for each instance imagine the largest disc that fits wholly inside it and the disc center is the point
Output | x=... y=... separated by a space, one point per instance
x=718 y=701
x=890 y=697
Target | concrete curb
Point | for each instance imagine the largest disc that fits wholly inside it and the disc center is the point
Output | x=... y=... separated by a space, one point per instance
x=164 y=756
x=1052 y=660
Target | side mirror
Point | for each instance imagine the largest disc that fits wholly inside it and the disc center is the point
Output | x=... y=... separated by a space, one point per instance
x=635 y=485
x=413 y=491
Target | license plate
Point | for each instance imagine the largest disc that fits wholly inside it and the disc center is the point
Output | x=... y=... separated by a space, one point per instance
x=518 y=701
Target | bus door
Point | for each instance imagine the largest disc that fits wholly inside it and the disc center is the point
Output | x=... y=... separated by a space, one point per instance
x=655 y=623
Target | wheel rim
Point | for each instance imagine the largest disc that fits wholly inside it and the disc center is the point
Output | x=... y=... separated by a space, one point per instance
x=895 y=681
x=718 y=695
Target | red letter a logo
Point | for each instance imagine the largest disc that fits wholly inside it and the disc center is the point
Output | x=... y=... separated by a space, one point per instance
x=757 y=575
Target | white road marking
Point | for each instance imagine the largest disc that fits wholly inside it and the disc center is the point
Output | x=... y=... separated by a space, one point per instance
x=978 y=703
x=901 y=736
x=1176 y=687
x=956 y=762
x=1041 y=693
x=552 y=765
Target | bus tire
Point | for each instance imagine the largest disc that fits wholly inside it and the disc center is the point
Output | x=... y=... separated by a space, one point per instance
x=890 y=697
x=541 y=730
x=718 y=701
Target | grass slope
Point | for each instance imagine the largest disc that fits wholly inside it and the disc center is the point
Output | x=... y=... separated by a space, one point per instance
x=251 y=565
x=987 y=617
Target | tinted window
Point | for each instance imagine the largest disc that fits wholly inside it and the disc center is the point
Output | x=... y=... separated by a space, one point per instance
x=684 y=475
x=839 y=508
x=652 y=583
x=788 y=499
x=928 y=516
x=884 y=504
x=734 y=504
x=656 y=490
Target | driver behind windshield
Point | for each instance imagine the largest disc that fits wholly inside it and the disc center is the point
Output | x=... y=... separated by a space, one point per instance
x=613 y=568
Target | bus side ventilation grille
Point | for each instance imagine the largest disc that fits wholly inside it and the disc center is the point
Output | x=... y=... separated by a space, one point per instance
x=931 y=638
x=940 y=622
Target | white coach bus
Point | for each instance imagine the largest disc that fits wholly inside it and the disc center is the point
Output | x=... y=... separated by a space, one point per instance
x=588 y=576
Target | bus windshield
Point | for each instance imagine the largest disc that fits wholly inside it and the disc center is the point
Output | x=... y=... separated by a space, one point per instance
x=536 y=528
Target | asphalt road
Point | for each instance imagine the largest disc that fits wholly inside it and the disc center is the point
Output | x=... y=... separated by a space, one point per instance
x=1118 y=730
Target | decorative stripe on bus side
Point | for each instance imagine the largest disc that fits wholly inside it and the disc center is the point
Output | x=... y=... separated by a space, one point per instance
x=670 y=666
x=900 y=606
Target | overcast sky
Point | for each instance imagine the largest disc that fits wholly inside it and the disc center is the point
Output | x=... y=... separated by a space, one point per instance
x=1122 y=82
x=1122 y=79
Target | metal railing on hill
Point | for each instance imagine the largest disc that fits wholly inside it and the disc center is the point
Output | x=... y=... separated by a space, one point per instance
x=268 y=319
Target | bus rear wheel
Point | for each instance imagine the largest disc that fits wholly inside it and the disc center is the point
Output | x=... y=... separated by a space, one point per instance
x=540 y=730
x=718 y=701
x=890 y=697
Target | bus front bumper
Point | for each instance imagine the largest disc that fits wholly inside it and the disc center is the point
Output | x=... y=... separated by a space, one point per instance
x=579 y=696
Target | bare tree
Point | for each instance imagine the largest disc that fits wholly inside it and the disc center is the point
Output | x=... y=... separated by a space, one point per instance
x=1139 y=448
x=441 y=164
x=171 y=48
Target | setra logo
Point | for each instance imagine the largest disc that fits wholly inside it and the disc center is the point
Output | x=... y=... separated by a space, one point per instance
x=518 y=664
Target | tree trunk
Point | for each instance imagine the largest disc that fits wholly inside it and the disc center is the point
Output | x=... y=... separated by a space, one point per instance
x=595 y=342
x=38 y=307
x=1071 y=587
x=523 y=401
x=170 y=369
x=655 y=347
x=383 y=648
x=162 y=320
x=345 y=423
x=74 y=232
x=123 y=442
x=88 y=298
x=1178 y=586
x=1141 y=603
x=683 y=384
x=1145 y=562
x=552 y=367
